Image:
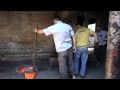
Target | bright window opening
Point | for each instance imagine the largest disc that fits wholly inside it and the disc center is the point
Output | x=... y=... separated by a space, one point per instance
x=92 y=26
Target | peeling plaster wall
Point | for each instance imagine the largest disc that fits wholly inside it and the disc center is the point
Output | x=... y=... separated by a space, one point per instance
x=17 y=34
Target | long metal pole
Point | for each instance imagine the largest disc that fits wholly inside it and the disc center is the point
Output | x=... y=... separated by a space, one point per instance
x=35 y=43
x=113 y=46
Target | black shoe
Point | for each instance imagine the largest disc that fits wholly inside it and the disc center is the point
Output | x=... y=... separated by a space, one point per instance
x=99 y=64
x=82 y=77
x=76 y=75
x=71 y=76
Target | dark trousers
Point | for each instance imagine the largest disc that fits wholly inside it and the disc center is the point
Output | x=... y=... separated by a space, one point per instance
x=65 y=60
x=101 y=53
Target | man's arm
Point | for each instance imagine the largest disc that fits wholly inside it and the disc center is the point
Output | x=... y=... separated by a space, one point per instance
x=48 y=31
x=96 y=38
x=39 y=31
x=74 y=43
x=73 y=38
x=106 y=34
x=92 y=33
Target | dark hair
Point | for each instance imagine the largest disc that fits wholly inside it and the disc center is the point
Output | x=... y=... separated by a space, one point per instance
x=99 y=26
x=80 y=18
x=79 y=23
x=57 y=18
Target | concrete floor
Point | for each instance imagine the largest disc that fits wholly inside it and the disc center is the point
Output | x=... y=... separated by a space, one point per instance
x=93 y=71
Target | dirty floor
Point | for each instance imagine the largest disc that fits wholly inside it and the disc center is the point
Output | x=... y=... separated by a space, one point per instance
x=8 y=70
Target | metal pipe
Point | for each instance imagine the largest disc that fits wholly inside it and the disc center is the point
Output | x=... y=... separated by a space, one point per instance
x=35 y=42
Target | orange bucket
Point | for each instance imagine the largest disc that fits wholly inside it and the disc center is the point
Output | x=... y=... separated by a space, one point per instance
x=30 y=72
x=30 y=75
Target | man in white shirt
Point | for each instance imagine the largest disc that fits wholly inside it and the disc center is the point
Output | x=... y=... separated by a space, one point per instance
x=62 y=34
x=102 y=43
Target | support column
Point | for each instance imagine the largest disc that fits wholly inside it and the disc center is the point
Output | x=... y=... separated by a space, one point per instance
x=113 y=47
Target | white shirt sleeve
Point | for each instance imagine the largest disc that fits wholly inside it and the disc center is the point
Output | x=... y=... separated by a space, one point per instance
x=50 y=30
x=71 y=31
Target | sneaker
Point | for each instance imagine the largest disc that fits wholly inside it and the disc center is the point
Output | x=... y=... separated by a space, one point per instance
x=73 y=77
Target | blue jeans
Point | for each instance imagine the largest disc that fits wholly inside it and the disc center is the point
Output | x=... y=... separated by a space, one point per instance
x=83 y=53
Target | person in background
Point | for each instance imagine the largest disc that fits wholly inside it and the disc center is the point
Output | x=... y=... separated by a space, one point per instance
x=65 y=45
x=82 y=43
x=102 y=44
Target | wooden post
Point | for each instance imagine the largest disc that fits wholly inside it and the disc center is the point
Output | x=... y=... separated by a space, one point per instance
x=113 y=47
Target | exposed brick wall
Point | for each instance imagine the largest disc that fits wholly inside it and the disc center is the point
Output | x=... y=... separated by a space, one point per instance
x=17 y=35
